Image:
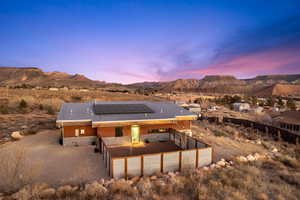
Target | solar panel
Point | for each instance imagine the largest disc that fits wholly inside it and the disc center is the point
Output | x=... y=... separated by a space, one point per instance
x=101 y=109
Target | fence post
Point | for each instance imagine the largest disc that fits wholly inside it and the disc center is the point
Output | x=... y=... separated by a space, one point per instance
x=197 y=155
x=180 y=160
x=278 y=135
x=125 y=167
x=297 y=140
x=267 y=130
x=142 y=165
x=162 y=163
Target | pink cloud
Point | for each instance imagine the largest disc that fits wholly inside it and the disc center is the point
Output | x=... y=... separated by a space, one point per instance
x=266 y=62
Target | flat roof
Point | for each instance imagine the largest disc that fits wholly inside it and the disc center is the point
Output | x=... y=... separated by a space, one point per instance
x=75 y=112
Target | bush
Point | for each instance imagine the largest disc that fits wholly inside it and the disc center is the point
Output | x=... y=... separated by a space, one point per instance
x=49 y=110
x=76 y=98
x=219 y=133
x=3 y=109
x=41 y=107
x=23 y=104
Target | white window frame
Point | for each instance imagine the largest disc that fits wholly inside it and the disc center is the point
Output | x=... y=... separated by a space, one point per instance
x=76 y=132
x=82 y=131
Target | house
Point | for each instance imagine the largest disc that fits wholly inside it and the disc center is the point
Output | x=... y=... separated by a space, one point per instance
x=289 y=120
x=241 y=107
x=135 y=137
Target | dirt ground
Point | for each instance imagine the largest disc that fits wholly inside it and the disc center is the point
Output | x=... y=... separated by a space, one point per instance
x=224 y=146
x=57 y=164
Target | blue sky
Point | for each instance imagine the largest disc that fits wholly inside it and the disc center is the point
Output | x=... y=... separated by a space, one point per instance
x=132 y=41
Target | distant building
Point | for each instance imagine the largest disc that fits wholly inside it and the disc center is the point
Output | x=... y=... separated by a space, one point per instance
x=257 y=110
x=240 y=107
x=195 y=108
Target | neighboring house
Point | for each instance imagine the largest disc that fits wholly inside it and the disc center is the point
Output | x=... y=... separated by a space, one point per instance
x=257 y=110
x=135 y=137
x=289 y=120
x=241 y=107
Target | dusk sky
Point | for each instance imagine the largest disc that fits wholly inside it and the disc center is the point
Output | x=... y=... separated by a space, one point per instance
x=155 y=40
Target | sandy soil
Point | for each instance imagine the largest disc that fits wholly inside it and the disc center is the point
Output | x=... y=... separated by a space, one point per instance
x=57 y=164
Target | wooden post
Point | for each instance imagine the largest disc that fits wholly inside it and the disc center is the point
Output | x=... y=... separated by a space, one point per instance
x=142 y=165
x=125 y=168
x=267 y=130
x=162 y=163
x=278 y=135
x=197 y=155
x=297 y=140
x=180 y=160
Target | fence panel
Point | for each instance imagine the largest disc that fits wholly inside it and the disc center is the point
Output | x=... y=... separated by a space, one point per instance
x=191 y=143
x=118 y=167
x=134 y=166
x=152 y=164
x=204 y=157
x=188 y=159
x=171 y=161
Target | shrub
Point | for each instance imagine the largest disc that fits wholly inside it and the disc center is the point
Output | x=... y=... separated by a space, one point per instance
x=41 y=107
x=76 y=98
x=219 y=133
x=50 y=110
x=23 y=104
x=3 y=109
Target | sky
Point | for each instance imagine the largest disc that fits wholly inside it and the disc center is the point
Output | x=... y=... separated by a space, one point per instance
x=127 y=41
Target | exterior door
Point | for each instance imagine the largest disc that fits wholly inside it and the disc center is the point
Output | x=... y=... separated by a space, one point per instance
x=135 y=134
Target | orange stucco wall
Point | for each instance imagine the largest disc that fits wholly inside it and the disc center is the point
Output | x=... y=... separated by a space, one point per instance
x=110 y=131
x=69 y=131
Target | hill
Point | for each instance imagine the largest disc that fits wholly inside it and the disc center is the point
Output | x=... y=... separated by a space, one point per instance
x=31 y=76
x=279 y=90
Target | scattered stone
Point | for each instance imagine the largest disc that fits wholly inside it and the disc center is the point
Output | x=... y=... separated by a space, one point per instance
x=221 y=163
x=205 y=168
x=250 y=158
x=135 y=179
x=144 y=186
x=258 y=142
x=153 y=178
x=16 y=135
x=274 y=150
x=95 y=189
x=242 y=159
x=46 y=193
x=64 y=190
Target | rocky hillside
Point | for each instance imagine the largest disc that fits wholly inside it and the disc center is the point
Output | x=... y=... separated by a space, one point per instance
x=31 y=76
x=279 y=89
x=259 y=85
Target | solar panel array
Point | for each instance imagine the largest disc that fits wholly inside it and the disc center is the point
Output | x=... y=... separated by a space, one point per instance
x=101 y=109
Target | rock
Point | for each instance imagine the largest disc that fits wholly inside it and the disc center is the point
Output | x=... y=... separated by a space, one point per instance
x=257 y=156
x=222 y=159
x=258 y=142
x=212 y=166
x=144 y=186
x=95 y=189
x=250 y=158
x=24 y=127
x=46 y=193
x=221 y=163
x=205 y=168
x=62 y=191
x=16 y=135
x=171 y=174
x=274 y=150
x=153 y=178
x=231 y=162
x=242 y=159
x=23 y=194
x=135 y=179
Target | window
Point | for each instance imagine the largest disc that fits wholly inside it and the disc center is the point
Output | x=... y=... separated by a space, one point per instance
x=82 y=132
x=119 y=132
x=160 y=130
x=76 y=132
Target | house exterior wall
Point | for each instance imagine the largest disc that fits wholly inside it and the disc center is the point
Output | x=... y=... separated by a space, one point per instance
x=69 y=131
x=144 y=129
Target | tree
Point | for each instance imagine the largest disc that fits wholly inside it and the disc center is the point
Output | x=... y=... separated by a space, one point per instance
x=270 y=101
x=291 y=104
x=280 y=102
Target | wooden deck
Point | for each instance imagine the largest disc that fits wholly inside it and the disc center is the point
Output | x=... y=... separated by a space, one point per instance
x=145 y=148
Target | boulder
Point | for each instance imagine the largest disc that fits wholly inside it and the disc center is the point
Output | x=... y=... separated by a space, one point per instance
x=274 y=150
x=257 y=156
x=23 y=194
x=250 y=158
x=62 y=191
x=46 y=193
x=144 y=186
x=221 y=163
x=242 y=159
x=16 y=135
x=95 y=189
x=153 y=178
x=135 y=179
x=205 y=168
